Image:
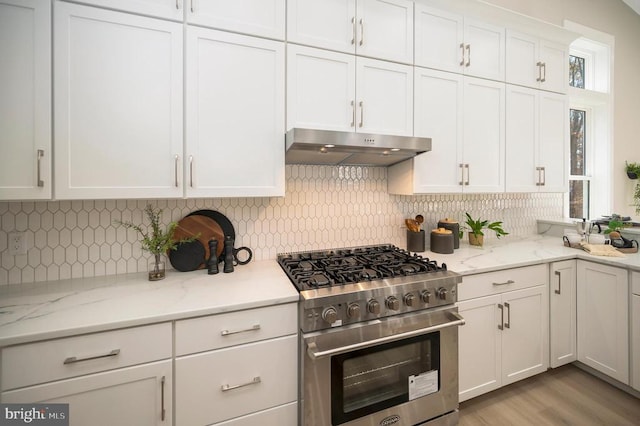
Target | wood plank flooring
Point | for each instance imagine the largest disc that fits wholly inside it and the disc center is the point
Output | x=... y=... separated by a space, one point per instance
x=562 y=396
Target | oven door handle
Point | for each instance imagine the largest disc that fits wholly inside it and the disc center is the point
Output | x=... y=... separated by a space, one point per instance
x=314 y=353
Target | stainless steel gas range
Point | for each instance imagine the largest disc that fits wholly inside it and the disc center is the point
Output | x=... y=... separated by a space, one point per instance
x=378 y=337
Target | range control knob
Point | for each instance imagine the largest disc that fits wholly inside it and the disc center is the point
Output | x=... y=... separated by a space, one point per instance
x=442 y=293
x=425 y=295
x=330 y=314
x=373 y=307
x=409 y=299
x=353 y=310
x=393 y=303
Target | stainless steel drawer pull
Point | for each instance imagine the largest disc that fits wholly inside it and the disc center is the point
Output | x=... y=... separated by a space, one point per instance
x=508 y=307
x=505 y=283
x=255 y=381
x=191 y=171
x=361 y=114
x=539 y=65
x=353 y=113
x=40 y=154
x=353 y=24
x=501 y=325
x=461 y=174
x=361 y=32
x=462 y=48
x=544 y=72
x=73 y=359
x=559 y=290
x=177 y=158
x=468 y=56
x=255 y=327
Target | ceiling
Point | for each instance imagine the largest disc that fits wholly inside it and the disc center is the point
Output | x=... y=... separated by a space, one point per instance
x=633 y=4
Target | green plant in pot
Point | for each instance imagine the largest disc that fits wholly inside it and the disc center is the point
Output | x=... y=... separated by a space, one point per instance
x=633 y=170
x=475 y=227
x=156 y=240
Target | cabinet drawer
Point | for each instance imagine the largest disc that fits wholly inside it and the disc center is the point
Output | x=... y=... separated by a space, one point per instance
x=231 y=382
x=235 y=328
x=279 y=416
x=43 y=362
x=500 y=281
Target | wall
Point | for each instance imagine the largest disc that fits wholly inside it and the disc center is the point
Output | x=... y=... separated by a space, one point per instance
x=616 y=18
x=324 y=207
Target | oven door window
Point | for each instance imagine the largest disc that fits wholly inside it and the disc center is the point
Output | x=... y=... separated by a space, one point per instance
x=379 y=377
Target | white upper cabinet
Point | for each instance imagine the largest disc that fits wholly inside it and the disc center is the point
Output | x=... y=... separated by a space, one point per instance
x=464 y=117
x=235 y=115
x=336 y=91
x=536 y=139
x=167 y=9
x=380 y=29
x=25 y=99
x=118 y=105
x=537 y=63
x=264 y=18
x=451 y=42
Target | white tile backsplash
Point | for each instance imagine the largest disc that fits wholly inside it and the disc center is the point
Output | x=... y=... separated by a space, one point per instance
x=324 y=207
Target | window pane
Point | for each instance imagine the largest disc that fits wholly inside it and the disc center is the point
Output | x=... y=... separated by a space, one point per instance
x=578 y=199
x=576 y=72
x=578 y=155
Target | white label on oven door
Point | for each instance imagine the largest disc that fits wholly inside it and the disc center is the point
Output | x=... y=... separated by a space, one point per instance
x=423 y=384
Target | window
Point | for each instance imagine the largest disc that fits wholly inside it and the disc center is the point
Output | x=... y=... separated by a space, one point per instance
x=590 y=80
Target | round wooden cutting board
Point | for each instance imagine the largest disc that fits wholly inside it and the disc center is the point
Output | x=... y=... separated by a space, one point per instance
x=203 y=227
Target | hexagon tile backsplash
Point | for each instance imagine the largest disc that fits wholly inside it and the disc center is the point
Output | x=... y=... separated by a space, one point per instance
x=324 y=207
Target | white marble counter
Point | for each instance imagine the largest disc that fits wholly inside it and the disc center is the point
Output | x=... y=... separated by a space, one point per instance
x=63 y=308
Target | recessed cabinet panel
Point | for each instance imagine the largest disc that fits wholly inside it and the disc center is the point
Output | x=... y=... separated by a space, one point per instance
x=25 y=100
x=562 y=313
x=235 y=115
x=554 y=141
x=118 y=104
x=485 y=54
x=522 y=139
x=439 y=35
x=329 y=24
x=168 y=9
x=385 y=29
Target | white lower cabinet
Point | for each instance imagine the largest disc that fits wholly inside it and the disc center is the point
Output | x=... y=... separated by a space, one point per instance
x=505 y=338
x=562 y=313
x=121 y=377
x=603 y=319
x=635 y=330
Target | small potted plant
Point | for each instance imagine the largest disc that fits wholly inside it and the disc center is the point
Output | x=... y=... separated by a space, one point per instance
x=156 y=241
x=633 y=170
x=475 y=227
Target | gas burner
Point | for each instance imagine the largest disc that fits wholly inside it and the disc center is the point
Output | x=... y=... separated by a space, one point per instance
x=315 y=279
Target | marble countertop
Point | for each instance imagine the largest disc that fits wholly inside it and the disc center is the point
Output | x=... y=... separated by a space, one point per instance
x=63 y=308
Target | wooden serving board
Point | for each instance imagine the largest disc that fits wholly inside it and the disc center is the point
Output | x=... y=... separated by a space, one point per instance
x=203 y=227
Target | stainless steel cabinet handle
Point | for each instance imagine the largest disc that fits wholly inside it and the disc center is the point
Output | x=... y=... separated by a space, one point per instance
x=559 y=290
x=543 y=172
x=254 y=381
x=361 y=32
x=466 y=166
x=508 y=307
x=544 y=72
x=353 y=113
x=162 y=410
x=39 y=156
x=192 y=6
x=361 y=114
x=539 y=178
x=505 y=283
x=255 y=327
x=73 y=359
x=353 y=34
x=177 y=4
x=539 y=65
x=468 y=55
x=461 y=174
x=501 y=325
x=191 y=171
x=462 y=49
x=177 y=161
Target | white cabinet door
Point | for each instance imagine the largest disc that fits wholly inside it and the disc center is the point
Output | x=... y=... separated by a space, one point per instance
x=118 y=121
x=25 y=99
x=139 y=395
x=384 y=92
x=380 y=29
x=553 y=142
x=168 y=9
x=385 y=29
x=235 y=115
x=522 y=135
x=438 y=115
x=484 y=140
x=480 y=347
x=635 y=329
x=320 y=89
x=525 y=338
x=603 y=319
x=484 y=50
x=562 y=313
x=438 y=39
x=264 y=18
x=555 y=66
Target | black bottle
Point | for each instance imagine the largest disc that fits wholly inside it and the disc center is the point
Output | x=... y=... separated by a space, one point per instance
x=212 y=262
x=228 y=254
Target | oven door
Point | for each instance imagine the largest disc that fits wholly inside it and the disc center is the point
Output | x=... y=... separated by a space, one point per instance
x=397 y=370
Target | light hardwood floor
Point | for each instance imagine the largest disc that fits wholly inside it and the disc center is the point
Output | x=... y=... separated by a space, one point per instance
x=562 y=396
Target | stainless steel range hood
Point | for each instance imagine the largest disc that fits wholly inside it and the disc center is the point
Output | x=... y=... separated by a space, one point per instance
x=326 y=147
